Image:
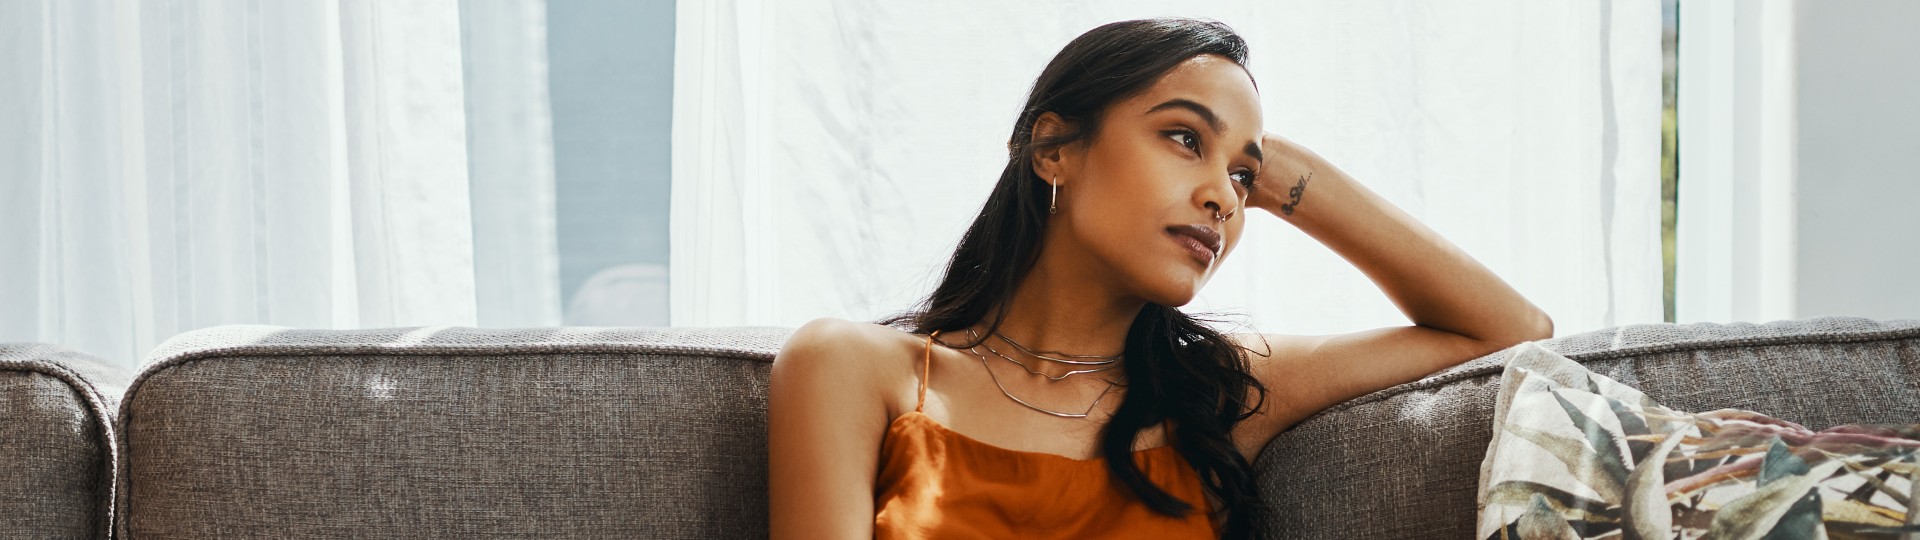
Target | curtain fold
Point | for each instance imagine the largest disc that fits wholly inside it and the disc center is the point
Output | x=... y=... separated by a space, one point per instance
x=173 y=165
x=829 y=153
x=509 y=134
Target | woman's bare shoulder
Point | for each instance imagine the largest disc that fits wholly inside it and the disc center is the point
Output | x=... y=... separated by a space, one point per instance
x=833 y=391
x=876 y=359
x=834 y=340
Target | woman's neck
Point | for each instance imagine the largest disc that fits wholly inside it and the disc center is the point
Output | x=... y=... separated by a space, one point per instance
x=1059 y=308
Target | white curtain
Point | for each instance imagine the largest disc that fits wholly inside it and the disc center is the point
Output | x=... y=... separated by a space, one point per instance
x=167 y=165
x=1738 y=205
x=829 y=153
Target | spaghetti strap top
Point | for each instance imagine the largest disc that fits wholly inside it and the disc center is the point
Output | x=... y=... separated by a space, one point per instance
x=934 y=482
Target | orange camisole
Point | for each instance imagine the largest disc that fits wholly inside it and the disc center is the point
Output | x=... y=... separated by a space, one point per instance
x=936 y=483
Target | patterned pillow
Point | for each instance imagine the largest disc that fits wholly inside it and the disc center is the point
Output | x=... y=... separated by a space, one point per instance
x=1578 y=455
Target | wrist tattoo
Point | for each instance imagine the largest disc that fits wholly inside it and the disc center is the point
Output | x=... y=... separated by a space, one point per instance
x=1294 y=193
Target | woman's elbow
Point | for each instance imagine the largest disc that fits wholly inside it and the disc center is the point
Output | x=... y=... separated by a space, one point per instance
x=1542 y=327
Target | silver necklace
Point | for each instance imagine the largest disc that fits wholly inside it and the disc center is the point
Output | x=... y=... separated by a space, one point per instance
x=1103 y=360
x=1030 y=370
x=1003 y=390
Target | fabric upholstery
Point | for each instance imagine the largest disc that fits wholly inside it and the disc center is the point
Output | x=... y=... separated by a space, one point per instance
x=1577 y=455
x=248 y=431
x=255 y=432
x=56 y=442
x=1404 y=462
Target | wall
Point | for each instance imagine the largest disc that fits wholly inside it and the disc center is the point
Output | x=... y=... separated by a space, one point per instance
x=1798 y=126
x=1859 y=134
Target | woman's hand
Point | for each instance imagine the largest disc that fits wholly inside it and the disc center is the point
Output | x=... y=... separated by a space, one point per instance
x=1460 y=310
x=1286 y=171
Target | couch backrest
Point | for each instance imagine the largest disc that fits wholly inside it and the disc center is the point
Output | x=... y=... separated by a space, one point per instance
x=56 y=442
x=250 y=431
x=660 y=433
x=1405 y=462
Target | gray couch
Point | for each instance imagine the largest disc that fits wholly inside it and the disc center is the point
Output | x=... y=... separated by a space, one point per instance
x=268 y=432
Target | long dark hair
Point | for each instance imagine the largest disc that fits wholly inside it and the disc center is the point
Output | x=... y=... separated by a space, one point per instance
x=1177 y=367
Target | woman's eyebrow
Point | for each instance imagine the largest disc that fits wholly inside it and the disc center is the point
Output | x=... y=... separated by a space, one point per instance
x=1213 y=122
x=1202 y=110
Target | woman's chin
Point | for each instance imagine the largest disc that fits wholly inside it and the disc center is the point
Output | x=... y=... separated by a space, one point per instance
x=1170 y=285
x=1179 y=293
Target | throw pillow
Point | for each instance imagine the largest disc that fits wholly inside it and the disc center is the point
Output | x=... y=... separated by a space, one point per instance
x=1578 y=455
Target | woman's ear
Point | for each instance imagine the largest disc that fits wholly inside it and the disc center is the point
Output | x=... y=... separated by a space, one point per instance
x=1053 y=161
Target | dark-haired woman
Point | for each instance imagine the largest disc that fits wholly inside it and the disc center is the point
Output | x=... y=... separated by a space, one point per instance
x=1049 y=387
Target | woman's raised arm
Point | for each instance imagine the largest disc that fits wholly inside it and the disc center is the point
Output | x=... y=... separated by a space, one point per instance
x=1460 y=310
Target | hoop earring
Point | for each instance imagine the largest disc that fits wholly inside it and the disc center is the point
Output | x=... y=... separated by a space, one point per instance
x=1053 y=206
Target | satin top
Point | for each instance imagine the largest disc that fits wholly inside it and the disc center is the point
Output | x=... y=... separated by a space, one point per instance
x=937 y=483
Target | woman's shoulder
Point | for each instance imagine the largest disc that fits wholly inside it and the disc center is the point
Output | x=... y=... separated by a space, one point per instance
x=875 y=357
x=831 y=339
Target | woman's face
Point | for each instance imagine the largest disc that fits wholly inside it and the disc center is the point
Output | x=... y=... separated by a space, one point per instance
x=1162 y=162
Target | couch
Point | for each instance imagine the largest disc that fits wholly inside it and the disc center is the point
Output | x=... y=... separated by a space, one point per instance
x=581 y=432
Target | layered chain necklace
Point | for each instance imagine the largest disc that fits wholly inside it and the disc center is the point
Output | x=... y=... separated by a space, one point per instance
x=1109 y=362
x=1105 y=363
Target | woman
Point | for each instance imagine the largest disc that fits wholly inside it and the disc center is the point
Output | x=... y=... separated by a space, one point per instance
x=1052 y=344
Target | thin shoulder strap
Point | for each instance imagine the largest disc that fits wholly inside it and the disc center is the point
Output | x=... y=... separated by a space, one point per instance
x=926 y=368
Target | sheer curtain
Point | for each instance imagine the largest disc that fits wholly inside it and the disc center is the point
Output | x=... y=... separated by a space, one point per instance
x=171 y=165
x=1739 y=205
x=829 y=153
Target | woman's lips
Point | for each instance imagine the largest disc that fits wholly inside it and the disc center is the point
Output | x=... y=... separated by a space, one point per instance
x=1194 y=248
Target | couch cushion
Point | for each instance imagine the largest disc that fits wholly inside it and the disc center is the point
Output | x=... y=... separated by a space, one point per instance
x=253 y=431
x=56 y=442
x=1407 y=458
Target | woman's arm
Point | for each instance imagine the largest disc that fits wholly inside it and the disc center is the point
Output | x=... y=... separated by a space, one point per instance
x=825 y=420
x=1460 y=310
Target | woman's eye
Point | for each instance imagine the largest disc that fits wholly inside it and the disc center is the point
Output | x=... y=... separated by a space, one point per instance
x=1185 y=138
